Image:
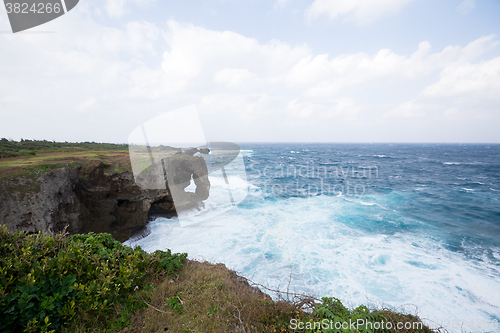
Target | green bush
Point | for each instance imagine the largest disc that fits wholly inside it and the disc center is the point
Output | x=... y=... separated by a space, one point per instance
x=47 y=282
x=335 y=312
x=331 y=316
x=9 y=148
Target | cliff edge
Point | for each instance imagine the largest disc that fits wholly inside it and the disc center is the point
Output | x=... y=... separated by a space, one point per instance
x=81 y=201
x=93 y=198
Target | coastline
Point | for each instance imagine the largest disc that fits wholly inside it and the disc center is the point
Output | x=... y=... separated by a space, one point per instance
x=157 y=292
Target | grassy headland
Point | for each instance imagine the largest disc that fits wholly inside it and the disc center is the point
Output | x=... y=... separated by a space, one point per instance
x=32 y=158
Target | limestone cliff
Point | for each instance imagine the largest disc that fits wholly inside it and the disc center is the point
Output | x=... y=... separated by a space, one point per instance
x=83 y=201
x=43 y=204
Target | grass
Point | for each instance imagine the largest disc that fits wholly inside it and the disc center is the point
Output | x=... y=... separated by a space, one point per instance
x=208 y=297
x=43 y=157
x=33 y=166
x=31 y=158
x=10 y=148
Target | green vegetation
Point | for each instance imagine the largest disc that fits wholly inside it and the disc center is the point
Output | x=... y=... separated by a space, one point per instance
x=75 y=283
x=337 y=318
x=92 y=283
x=9 y=148
x=34 y=166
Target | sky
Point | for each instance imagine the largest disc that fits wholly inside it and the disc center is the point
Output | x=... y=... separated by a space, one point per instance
x=258 y=70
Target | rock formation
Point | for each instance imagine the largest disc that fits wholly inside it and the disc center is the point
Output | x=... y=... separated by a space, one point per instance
x=93 y=200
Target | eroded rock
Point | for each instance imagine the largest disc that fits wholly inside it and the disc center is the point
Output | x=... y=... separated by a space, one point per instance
x=96 y=200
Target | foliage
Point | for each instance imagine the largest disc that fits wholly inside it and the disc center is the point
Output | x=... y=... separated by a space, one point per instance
x=48 y=282
x=331 y=316
x=9 y=148
x=175 y=303
x=337 y=314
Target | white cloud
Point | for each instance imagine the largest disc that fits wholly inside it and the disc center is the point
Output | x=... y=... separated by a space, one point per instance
x=406 y=110
x=465 y=89
x=301 y=109
x=141 y=37
x=466 y=6
x=197 y=51
x=249 y=107
x=479 y=47
x=234 y=77
x=106 y=80
x=322 y=77
x=359 y=11
x=90 y=102
x=459 y=79
x=451 y=113
x=116 y=8
x=343 y=107
x=281 y=3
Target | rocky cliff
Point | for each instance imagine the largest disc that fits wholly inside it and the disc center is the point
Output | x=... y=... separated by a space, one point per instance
x=83 y=201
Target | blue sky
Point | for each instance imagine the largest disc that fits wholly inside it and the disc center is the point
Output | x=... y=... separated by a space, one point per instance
x=275 y=71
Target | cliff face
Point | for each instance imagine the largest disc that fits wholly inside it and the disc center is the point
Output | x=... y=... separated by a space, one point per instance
x=41 y=204
x=81 y=201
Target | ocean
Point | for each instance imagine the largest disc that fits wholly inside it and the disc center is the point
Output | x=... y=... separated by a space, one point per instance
x=414 y=227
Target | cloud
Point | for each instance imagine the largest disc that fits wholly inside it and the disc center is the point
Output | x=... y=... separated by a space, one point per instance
x=117 y=8
x=281 y=3
x=343 y=107
x=322 y=76
x=406 y=110
x=464 y=78
x=250 y=106
x=466 y=6
x=478 y=47
x=90 y=102
x=466 y=89
x=103 y=81
x=359 y=11
x=78 y=78
x=234 y=77
x=196 y=51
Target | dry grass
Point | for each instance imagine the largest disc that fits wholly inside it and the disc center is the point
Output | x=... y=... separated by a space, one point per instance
x=211 y=298
x=409 y=323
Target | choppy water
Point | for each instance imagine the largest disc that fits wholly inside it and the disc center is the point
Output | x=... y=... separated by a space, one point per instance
x=382 y=224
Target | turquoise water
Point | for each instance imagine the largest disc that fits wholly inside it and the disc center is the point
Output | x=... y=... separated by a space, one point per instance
x=384 y=224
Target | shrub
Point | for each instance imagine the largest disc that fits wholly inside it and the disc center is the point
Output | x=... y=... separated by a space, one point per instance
x=333 y=317
x=47 y=282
